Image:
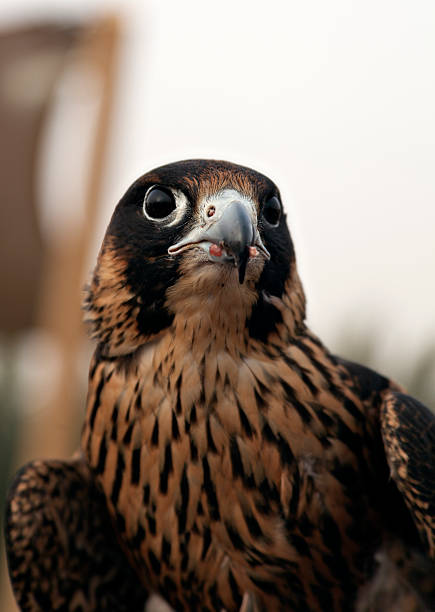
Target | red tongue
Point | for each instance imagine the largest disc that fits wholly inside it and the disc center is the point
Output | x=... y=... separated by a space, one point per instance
x=215 y=250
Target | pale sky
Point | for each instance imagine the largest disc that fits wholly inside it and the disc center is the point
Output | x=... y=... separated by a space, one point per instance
x=333 y=100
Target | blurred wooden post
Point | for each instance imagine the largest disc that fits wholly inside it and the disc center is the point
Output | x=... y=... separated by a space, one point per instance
x=59 y=312
x=53 y=431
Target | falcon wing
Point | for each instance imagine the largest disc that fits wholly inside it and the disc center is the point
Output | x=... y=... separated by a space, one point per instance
x=61 y=548
x=408 y=431
x=408 y=434
x=405 y=573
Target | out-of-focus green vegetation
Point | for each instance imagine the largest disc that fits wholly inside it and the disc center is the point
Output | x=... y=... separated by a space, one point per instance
x=415 y=373
x=421 y=382
x=10 y=421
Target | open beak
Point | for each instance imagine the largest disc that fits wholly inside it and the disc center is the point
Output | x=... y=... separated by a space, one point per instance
x=229 y=234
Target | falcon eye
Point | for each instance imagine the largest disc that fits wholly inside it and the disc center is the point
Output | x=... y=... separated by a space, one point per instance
x=158 y=203
x=272 y=211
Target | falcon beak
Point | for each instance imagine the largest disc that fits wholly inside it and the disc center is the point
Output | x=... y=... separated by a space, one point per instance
x=230 y=234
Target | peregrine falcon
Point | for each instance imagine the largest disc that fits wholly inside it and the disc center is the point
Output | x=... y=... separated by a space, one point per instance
x=228 y=460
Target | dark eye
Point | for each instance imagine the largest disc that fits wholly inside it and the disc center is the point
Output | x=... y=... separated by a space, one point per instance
x=272 y=211
x=159 y=203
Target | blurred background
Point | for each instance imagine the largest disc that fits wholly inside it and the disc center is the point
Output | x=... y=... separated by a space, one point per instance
x=333 y=100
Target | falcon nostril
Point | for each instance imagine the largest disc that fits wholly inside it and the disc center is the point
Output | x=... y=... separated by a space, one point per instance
x=211 y=211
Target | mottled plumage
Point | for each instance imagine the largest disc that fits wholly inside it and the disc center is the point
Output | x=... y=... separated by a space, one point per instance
x=237 y=459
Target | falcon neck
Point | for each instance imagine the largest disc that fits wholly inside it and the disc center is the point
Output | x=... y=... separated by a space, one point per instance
x=237 y=320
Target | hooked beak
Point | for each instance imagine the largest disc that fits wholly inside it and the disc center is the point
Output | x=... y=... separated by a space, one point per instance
x=229 y=234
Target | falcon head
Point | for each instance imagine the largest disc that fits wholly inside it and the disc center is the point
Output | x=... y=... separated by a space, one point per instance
x=197 y=239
